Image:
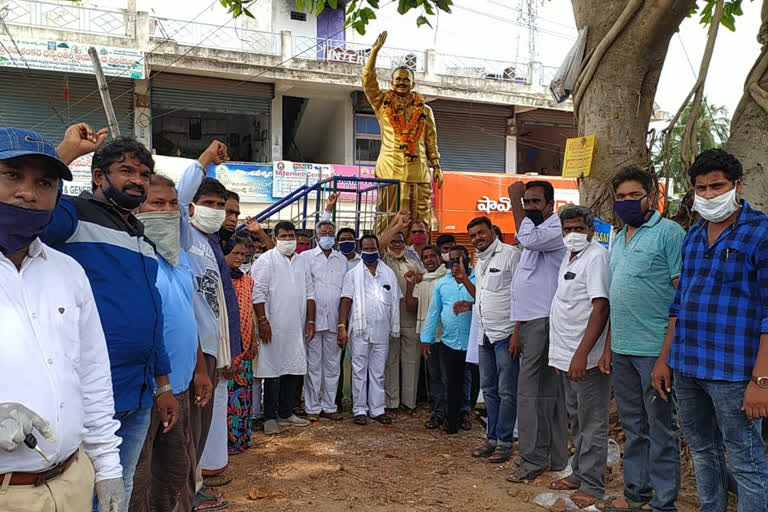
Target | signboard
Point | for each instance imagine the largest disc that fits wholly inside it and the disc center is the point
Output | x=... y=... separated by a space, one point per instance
x=465 y=196
x=252 y=182
x=70 y=57
x=604 y=233
x=578 y=156
x=81 y=176
x=288 y=176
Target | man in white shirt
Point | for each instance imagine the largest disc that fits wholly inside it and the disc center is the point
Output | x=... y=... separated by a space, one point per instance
x=328 y=268
x=284 y=298
x=496 y=264
x=56 y=383
x=373 y=295
x=577 y=337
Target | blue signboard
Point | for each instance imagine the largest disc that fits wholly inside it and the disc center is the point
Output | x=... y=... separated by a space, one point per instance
x=604 y=233
x=252 y=182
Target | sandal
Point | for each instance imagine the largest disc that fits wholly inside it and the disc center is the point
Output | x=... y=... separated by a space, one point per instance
x=486 y=450
x=583 y=500
x=465 y=422
x=208 y=493
x=216 y=481
x=383 y=419
x=433 y=422
x=562 y=484
x=609 y=505
x=361 y=419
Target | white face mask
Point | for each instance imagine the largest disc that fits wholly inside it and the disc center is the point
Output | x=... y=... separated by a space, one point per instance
x=245 y=268
x=718 y=208
x=286 y=247
x=163 y=229
x=576 y=242
x=446 y=256
x=207 y=220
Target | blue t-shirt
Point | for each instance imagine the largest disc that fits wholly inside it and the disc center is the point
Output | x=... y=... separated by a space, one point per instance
x=177 y=289
x=641 y=285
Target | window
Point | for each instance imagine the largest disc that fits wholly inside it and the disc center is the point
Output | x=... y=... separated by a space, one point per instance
x=367 y=125
x=367 y=150
x=298 y=16
x=367 y=139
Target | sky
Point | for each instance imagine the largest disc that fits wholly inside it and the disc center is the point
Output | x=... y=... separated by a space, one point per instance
x=496 y=29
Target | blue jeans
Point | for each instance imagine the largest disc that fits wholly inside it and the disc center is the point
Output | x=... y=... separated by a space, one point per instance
x=467 y=405
x=498 y=380
x=652 y=450
x=134 y=425
x=712 y=420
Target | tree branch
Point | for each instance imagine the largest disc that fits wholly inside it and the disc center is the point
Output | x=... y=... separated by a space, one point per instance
x=592 y=63
x=688 y=147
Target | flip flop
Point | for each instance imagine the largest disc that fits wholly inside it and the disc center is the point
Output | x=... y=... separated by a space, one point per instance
x=562 y=484
x=607 y=505
x=583 y=500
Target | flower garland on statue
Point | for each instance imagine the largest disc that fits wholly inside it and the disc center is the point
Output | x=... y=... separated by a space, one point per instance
x=407 y=131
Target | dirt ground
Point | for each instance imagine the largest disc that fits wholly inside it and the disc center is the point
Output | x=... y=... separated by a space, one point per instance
x=343 y=466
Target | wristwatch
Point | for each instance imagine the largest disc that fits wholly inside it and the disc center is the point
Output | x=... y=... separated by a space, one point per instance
x=761 y=381
x=162 y=389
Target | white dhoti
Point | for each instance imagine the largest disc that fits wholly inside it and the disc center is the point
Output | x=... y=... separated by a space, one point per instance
x=369 y=361
x=215 y=454
x=323 y=369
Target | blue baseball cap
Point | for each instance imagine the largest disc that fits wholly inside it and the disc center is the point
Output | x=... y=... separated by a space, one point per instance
x=18 y=142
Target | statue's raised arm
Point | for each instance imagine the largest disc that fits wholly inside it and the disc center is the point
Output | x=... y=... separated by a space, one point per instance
x=370 y=82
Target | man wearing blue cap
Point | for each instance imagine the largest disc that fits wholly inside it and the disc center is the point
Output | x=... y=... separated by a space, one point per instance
x=55 y=390
x=99 y=230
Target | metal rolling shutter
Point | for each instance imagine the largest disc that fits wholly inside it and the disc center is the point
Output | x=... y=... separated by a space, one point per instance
x=36 y=100
x=201 y=94
x=471 y=136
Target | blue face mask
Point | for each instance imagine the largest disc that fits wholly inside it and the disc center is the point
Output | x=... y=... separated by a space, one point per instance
x=369 y=258
x=326 y=242
x=120 y=199
x=20 y=226
x=347 y=246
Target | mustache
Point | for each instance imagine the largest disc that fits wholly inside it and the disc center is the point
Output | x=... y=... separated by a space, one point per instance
x=132 y=186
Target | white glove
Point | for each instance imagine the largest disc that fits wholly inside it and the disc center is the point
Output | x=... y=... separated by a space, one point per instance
x=111 y=494
x=16 y=421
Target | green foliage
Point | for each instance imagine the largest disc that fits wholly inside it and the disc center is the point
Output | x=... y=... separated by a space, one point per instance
x=731 y=9
x=358 y=12
x=712 y=130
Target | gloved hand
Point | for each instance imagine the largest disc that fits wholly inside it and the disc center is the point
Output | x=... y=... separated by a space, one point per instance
x=16 y=421
x=111 y=494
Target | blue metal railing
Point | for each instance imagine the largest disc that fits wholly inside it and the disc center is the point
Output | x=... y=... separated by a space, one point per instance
x=336 y=184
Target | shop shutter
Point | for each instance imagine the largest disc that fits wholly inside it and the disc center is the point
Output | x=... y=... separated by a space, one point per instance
x=471 y=136
x=173 y=92
x=37 y=100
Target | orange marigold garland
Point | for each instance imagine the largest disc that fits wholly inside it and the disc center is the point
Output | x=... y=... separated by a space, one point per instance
x=408 y=132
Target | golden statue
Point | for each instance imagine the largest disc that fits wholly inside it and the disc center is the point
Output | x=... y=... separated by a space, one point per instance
x=408 y=141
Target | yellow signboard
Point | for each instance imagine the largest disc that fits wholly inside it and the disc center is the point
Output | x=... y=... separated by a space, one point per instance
x=578 y=156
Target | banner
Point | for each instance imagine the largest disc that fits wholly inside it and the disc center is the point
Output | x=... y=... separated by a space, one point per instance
x=81 y=176
x=578 y=156
x=71 y=57
x=466 y=195
x=252 y=182
x=288 y=176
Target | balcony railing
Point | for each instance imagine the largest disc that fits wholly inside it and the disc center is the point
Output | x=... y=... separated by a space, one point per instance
x=473 y=67
x=547 y=74
x=329 y=50
x=214 y=36
x=66 y=17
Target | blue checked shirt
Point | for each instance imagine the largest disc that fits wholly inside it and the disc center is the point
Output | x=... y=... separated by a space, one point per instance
x=721 y=301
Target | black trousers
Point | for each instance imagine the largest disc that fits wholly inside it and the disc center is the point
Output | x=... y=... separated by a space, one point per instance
x=453 y=363
x=280 y=396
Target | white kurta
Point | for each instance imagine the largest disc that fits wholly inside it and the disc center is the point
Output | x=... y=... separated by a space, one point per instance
x=284 y=285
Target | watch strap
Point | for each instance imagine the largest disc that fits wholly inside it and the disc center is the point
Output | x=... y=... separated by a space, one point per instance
x=761 y=381
x=162 y=389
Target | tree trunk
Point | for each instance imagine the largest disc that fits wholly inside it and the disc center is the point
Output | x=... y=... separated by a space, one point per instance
x=749 y=127
x=618 y=101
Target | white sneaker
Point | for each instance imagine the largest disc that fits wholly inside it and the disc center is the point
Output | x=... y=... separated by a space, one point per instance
x=293 y=420
x=271 y=427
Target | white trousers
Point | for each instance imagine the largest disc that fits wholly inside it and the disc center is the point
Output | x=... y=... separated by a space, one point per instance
x=323 y=369
x=215 y=453
x=368 y=363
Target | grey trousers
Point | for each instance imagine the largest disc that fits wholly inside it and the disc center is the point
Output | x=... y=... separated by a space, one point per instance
x=541 y=421
x=587 y=402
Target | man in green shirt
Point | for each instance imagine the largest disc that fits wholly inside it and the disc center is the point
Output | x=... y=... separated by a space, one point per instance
x=645 y=266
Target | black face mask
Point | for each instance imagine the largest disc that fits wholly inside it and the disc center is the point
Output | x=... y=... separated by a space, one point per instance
x=535 y=215
x=225 y=234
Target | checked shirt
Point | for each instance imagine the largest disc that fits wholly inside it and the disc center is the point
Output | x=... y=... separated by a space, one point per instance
x=721 y=301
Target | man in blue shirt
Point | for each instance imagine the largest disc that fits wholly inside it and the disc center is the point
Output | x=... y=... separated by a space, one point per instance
x=98 y=230
x=645 y=267
x=459 y=286
x=168 y=460
x=717 y=337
